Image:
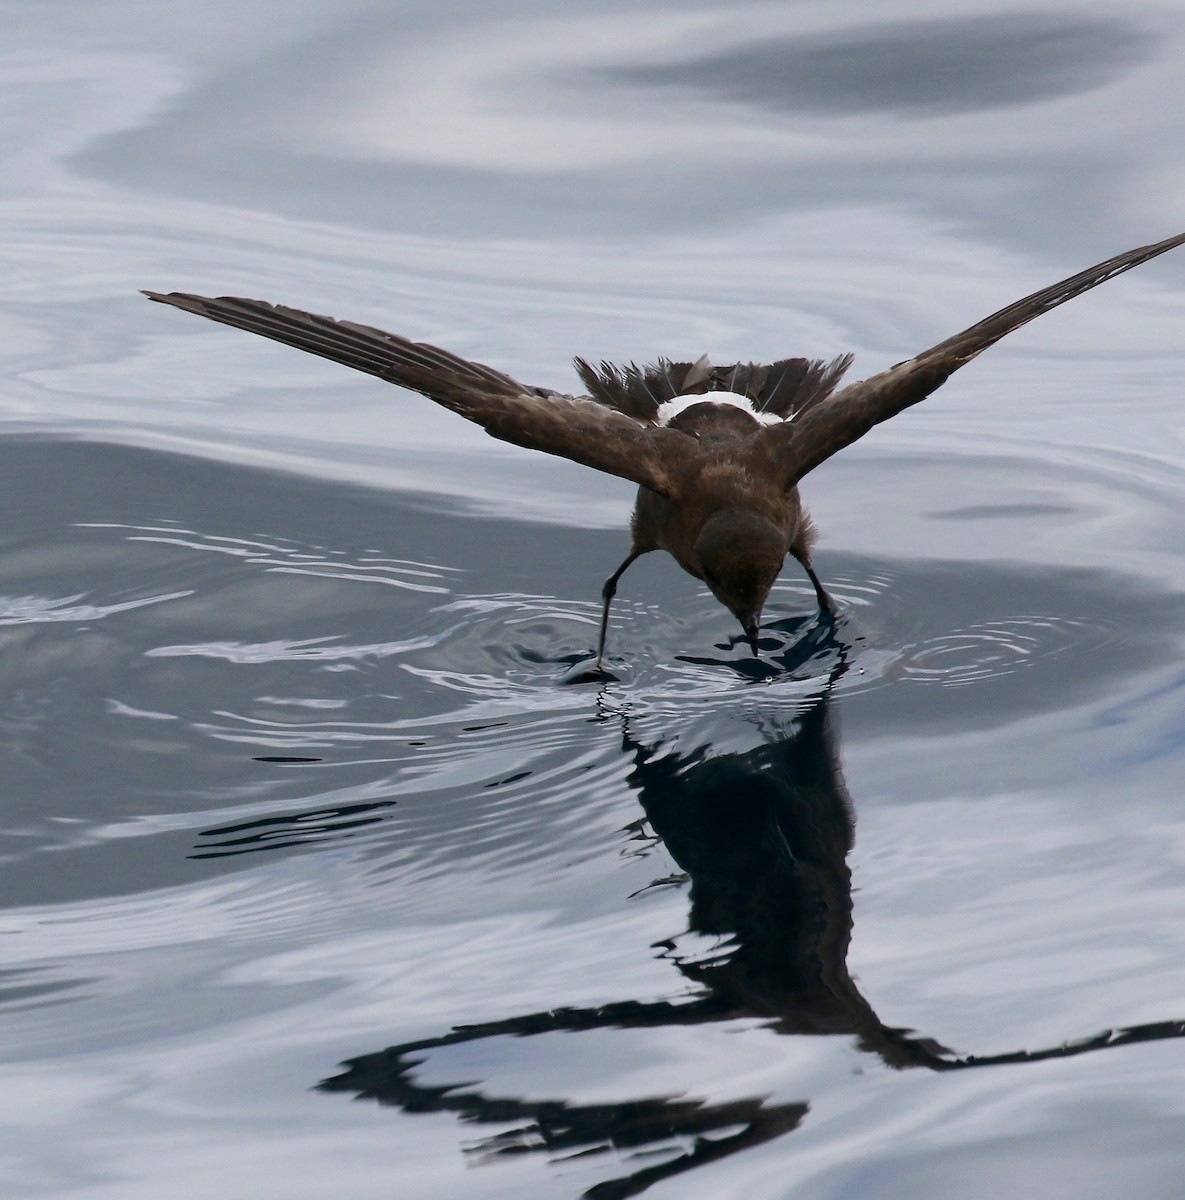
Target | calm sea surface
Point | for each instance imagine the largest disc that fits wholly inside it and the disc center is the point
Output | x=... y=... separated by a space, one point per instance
x=320 y=878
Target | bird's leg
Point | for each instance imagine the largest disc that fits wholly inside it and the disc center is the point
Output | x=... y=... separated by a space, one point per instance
x=826 y=604
x=607 y=594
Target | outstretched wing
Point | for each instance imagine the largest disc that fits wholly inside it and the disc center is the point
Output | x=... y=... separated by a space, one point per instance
x=572 y=427
x=848 y=415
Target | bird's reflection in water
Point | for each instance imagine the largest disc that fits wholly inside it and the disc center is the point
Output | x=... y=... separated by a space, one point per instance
x=763 y=836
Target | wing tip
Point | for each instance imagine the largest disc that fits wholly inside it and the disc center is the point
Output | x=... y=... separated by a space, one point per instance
x=193 y=304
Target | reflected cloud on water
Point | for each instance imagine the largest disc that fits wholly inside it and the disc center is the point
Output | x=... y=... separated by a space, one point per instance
x=917 y=69
x=615 y=122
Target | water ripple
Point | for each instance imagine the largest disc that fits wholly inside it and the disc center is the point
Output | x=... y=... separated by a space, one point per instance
x=26 y=610
x=279 y=706
x=962 y=656
x=294 y=558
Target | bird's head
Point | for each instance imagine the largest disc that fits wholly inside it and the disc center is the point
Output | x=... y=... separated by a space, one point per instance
x=739 y=554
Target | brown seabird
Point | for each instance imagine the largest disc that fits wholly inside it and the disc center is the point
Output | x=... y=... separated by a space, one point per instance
x=717 y=452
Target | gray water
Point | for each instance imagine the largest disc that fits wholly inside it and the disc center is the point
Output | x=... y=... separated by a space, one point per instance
x=321 y=876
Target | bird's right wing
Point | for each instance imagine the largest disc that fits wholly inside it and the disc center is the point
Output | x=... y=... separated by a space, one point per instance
x=847 y=415
x=573 y=427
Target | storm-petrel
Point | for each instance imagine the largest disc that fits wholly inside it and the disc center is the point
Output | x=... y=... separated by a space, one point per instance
x=717 y=451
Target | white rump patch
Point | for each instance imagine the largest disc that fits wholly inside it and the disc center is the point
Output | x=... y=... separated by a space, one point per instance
x=672 y=408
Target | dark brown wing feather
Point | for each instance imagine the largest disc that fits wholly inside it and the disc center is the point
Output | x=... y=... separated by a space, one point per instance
x=795 y=385
x=633 y=390
x=572 y=427
x=851 y=413
x=787 y=387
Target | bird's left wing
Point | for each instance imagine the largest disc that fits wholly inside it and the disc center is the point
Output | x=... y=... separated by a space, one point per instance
x=573 y=427
x=802 y=444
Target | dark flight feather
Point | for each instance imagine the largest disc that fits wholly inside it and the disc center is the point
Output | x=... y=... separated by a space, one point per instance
x=572 y=426
x=848 y=415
